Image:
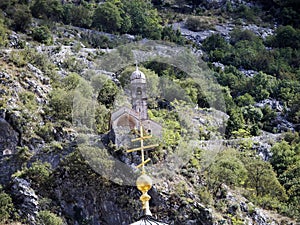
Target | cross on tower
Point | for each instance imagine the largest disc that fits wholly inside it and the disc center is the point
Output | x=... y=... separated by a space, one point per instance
x=142 y=148
x=144 y=182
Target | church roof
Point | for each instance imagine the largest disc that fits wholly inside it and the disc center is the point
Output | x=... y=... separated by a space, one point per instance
x=148 y=220
x=138 y=76
x=124 y=110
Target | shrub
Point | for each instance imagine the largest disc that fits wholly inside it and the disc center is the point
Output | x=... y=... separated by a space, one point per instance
x=46 y=131
x=286 y=36
x=73 y=64
x=48 y=218
x=38 y=172
x=215 y=41
x=97 y=40
x=3 y=33
x=168 y=34
x=28 y=100
x=244 y=100
x=61 y=102
x=205 y=196
x=244 y=11
x=6 y=206
x=238 y=35
x=42 y=34
x=23 y=153
x=29 y=55
x=196 y=23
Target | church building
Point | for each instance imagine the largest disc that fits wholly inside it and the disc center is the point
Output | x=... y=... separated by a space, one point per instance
x=125 y=121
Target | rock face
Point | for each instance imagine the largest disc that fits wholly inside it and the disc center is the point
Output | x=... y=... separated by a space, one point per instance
x=86 y=201
x=214 y=3
x=25 y=200
x=9 y=138
x=9 y=164
x=107 y=203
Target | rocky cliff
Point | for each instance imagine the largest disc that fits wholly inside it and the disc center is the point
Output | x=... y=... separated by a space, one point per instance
x=49 y=181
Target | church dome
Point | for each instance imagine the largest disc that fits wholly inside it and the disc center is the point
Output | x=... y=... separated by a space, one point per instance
x=148 y=220
x=138 y=76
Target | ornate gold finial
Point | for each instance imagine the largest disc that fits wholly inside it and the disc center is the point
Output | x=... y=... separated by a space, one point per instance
x=144 y=182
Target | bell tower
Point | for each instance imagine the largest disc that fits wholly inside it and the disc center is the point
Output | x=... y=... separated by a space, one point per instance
x=139 y=93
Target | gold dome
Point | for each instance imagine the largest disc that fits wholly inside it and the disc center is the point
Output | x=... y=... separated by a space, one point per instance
x=144 y=183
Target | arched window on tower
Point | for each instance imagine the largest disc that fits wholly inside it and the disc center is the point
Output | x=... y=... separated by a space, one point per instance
x=139 y=91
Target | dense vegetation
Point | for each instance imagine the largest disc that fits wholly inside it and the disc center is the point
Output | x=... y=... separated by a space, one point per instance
x=119 y=17
x=272 y=184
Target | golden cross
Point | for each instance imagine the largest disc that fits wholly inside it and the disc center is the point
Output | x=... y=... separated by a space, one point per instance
x=142 y=147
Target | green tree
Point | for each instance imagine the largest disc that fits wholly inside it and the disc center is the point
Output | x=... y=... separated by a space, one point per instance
x=261 y=86
x=262 y=179
x=4 y=4
x=51 y=9
x=246 y=53
x=102 y=117
x=235 y=122
x=77 y=15
x=289 y=15
x=228 y=169
x=294 y=113
x=21 y=18
x=283 y=156
x=291 y=181
x=107 y=93
x=144 y=18
x=107 y=17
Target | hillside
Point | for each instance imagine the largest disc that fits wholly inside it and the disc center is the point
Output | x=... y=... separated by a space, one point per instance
x=223 y=81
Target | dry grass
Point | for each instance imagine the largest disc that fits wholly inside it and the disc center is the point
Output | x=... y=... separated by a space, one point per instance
x=199 y=23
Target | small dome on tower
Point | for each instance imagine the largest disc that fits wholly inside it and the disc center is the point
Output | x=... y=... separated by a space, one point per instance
x=138 y=76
